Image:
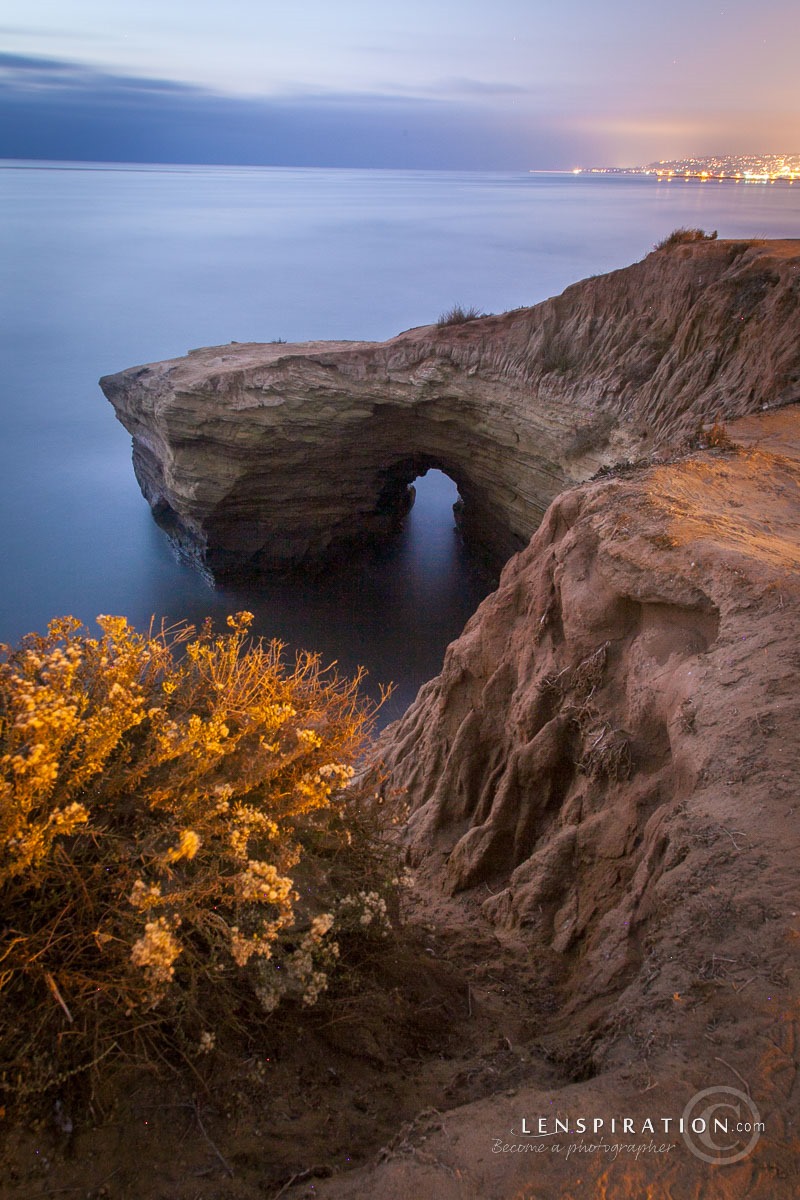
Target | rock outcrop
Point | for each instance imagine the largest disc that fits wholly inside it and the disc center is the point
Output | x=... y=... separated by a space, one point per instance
x=590 y=694
x=275 y=457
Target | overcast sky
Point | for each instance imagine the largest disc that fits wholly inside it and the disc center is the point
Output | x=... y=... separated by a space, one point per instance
x=426 y=83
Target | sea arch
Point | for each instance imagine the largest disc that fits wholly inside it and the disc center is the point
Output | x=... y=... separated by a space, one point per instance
x=264 y=458
x=306 y=510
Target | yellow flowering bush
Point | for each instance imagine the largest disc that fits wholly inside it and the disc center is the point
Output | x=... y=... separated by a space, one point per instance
x=181 y=836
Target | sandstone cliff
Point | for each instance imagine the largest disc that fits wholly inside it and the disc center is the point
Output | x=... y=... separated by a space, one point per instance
x=605 y=773
x=258 y=457
x=592 y=689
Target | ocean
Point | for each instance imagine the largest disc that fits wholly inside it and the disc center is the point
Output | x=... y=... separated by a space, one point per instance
x=106 y=266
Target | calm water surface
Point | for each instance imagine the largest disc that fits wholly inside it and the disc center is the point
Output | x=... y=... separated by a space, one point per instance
x=105 y=267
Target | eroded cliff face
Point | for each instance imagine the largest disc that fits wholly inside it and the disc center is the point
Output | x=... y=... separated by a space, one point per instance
x=605 y=773
x=624 y=667
x=262 y=457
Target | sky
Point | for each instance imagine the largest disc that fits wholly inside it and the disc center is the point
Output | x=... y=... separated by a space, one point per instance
x=500 y=85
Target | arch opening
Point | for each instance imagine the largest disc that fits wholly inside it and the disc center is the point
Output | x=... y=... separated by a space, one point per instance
x=430 y=540
x=483 y=531
x=422 y=583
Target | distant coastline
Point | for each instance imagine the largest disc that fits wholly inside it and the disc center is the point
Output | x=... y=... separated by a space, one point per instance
x=753 y=168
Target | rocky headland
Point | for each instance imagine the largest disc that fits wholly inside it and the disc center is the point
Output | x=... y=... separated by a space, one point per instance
x=604 y=823
x=279 y=457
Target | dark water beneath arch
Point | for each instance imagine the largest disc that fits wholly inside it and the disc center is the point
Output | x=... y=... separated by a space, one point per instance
x=105 y=267
x=394 y=610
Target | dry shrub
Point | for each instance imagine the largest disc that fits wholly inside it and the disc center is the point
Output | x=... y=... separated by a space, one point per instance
x=592 y=436
x=683 y=237
x=182 y=842
x=713 y=437
x=551 y=687
x=556 y=352
x=588 y=675
x=607 y=756
x=605 y=752
x=458 y=315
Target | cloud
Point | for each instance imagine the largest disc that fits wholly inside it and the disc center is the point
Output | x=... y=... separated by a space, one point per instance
x=60 y=109
x=20 y=71
x=25 y=62
x=56 y=109
x=460 y=86
x=482 y=87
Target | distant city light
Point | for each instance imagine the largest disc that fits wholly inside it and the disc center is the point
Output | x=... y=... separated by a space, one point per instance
x=752 y=168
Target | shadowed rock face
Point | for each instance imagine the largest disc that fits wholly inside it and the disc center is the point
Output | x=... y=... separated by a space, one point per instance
x=273 y=457
x=603 y=768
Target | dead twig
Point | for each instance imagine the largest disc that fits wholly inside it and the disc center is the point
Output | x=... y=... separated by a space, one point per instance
x=51 y=983
x=310 y=1173
x=80 y=1188
x=226 y=1165
x=733 y=834
x=741 y=1078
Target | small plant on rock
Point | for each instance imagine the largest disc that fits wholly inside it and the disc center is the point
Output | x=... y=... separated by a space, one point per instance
x=683 y=237
x=713 y=437
x=458 y=315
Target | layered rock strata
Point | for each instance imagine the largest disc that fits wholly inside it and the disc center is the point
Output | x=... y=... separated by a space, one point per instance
x=274 y=457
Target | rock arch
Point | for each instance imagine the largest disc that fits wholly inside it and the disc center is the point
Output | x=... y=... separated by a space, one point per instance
x=261 y=457
x=291 y=457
